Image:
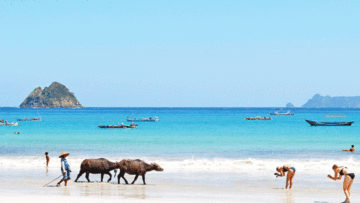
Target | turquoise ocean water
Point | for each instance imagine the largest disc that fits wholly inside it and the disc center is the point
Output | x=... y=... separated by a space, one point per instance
x=179 y=133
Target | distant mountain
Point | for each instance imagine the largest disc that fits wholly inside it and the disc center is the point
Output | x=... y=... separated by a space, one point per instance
x=54 y=96
x=319 y=101
x=290 y=105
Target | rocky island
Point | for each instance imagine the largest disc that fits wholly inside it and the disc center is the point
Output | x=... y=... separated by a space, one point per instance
x=54 y=96
x=290 y=105
x=319 y=101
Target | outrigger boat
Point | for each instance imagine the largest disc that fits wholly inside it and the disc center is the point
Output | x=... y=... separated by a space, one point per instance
x=5 y=123
x=276 y=113
x=118 y=126
x=258 y=118
x=29 y=119
x=314 y=123
x=142 y=120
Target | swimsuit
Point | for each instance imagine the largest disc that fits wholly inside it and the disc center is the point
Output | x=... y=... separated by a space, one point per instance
x=352 y=175
x=292 y=168
x=341 y=172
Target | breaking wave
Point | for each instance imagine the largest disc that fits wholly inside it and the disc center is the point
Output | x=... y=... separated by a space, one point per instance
x=191 y=165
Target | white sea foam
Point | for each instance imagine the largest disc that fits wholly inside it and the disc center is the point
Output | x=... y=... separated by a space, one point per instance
x=191 y=165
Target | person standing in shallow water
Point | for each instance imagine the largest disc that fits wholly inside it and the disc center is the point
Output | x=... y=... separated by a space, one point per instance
x=348 y=180
x=65 y=168
x=47 y=159
x=290 y=174
x=352 y=149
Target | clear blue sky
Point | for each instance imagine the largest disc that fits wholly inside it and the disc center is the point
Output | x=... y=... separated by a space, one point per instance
x=180 y=53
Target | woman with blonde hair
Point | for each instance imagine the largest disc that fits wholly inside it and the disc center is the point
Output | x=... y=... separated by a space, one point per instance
x=348 y=180
x=290 y=174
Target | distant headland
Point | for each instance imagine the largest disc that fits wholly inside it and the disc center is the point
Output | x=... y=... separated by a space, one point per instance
x=319 y=101
x=54 y=96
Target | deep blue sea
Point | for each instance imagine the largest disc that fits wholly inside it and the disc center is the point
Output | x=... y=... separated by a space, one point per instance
x=180 y=134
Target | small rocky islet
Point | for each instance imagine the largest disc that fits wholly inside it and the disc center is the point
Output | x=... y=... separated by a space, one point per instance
x=290 y=105
x=54 y=96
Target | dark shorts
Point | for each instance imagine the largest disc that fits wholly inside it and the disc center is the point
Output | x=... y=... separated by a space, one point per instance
x=292 y=168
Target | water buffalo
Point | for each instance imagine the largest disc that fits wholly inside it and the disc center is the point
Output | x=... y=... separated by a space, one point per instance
x=136 y=167
x=101 y=165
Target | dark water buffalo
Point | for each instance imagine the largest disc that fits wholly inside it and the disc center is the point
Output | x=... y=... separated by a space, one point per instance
x=101 y=165
x=136 y=167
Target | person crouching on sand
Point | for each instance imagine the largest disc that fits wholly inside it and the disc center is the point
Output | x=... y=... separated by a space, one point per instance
x=290 y=174
x=348 y=180
x=65 y=168
x=352 y=149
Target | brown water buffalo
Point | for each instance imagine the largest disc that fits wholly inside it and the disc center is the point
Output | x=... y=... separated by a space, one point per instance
x=136 y=167
x=101 y=165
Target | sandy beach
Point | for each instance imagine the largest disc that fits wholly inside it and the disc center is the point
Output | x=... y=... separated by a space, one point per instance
x=21 y=186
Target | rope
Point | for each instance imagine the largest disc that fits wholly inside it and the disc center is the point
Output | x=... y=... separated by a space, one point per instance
x=52 y=180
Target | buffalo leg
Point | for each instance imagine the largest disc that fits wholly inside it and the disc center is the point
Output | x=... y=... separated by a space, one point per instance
x=102 y=177
x=87 y=176
x=109 y=175
x=121 y=175
x=135 y=178
x=80 y=174
x=143 y=176
x=125 y=180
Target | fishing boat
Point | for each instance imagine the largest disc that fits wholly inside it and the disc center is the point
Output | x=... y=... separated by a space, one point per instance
x=29 y=119
x=276 y=113
x=142 y=120
x=118 y=126
x=258 y=118
x=315 y=123
x=5 y=123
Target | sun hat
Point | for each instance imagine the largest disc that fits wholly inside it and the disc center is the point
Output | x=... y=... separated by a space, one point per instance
x=64 y=154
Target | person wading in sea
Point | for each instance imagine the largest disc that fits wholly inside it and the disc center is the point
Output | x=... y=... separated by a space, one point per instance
x=348 y=180
x=352 y=149
x=65 y=168
x=47 y=159
x=290 y=174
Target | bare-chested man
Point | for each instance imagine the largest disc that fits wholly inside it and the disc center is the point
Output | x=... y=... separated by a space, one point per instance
x=352 y=149
x=47 y=159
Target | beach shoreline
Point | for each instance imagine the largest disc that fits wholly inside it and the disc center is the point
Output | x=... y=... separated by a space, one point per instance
x=27 y=185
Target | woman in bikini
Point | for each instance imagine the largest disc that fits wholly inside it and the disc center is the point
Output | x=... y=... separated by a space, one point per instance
x=290 y=174
x=348 y=180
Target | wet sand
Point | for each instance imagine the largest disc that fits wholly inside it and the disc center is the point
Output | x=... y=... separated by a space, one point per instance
x=21 y=186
